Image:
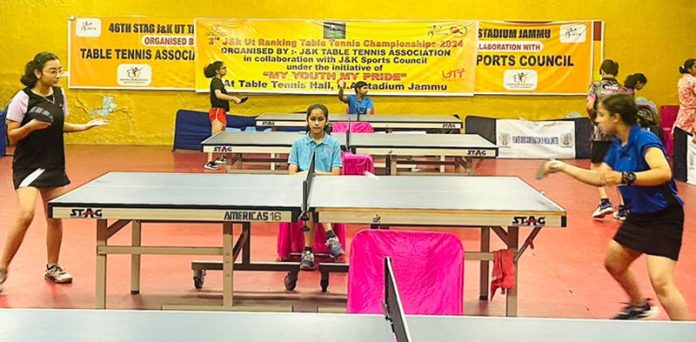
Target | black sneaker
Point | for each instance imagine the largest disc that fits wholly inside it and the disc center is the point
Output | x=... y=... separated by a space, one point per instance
x=210 y=166
x=642 y=311
x=621 y=213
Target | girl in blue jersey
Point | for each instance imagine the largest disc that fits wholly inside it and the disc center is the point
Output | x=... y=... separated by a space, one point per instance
x=636 y=162
x=327 y=151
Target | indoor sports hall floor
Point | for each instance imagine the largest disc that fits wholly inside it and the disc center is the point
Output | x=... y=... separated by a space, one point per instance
x=562 y=277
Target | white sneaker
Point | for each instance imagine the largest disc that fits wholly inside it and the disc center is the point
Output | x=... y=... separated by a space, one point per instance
x=57 y=275
x=221 y=160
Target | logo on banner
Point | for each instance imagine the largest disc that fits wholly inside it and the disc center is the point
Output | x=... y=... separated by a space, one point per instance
x=134 y=75
x=88 y=27
x=567 y=140
x=573 y=33
x=504 y=140
x=333 y=30
x=452 y=74
x=519 y=79
x=453 y=31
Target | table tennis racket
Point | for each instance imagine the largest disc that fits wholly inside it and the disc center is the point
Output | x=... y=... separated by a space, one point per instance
x=243 y=99
x=40 y=114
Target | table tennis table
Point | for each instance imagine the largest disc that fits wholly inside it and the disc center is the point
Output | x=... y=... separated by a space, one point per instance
x=453 y=149
x=380 y=122
x=393 y=325
x=500 y=204
x=188 y=326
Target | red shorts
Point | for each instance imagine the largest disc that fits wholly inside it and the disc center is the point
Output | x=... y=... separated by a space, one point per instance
x=218 y=114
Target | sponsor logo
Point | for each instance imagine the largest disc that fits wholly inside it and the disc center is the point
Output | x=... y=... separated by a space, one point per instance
x=223 y=149
x=529 y=221
x=267 y=123
x=452 y=31
x=333 y=30
x=134 y=75
x=477 y=153
x=86 y=213
x=567 y=140
x=449 y=125
x=249 y=215
x=88 y=27
x=573 y=33
x=377 y=219
x=504 y=140
x=452 y=74
x=520 y=79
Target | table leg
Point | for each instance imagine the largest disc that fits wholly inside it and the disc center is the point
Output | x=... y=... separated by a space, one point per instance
x=135 y=258
x=227 y=266
x=485 y=248
x=511 y=298
x=100 y=301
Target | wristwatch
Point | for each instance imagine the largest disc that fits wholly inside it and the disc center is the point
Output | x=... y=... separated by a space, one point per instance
x=628 y=178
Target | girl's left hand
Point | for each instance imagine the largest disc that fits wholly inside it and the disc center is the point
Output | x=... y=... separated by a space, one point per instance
x=95 y=123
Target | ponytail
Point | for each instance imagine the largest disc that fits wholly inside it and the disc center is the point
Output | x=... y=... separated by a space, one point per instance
x=29 y=78
x=212 y=69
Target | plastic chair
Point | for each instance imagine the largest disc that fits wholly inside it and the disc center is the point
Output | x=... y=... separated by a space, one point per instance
x=668 y=115
x=429 y=270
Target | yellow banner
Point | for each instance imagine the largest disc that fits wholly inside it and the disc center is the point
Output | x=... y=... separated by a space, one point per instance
x=131 y=53
x=536 y=58
x=309 y=56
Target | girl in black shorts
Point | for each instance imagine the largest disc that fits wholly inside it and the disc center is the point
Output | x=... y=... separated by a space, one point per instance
x=636 y=163
x=35 y=122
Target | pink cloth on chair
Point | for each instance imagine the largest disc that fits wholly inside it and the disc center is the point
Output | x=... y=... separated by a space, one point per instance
x=429 y=270
x=357 y=164
x=291 y=238
x=355 y=127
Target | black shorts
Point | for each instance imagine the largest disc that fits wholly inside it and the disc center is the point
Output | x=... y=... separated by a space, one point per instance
x=39 y=178
x=598 y=151
x=657 y=234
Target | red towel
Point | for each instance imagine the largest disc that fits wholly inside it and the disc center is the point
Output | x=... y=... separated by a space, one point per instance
x=503 y=271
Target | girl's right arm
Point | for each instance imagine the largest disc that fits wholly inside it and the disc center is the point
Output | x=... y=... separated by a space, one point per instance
x=583 y=175
x=16 y=133
x=226 y=97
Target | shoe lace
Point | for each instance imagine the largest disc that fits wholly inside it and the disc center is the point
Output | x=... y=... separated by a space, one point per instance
x=307 y=256
x=57 y=270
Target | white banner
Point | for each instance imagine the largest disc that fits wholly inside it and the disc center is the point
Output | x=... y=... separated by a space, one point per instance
x=535 y=139
x=690 y=160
